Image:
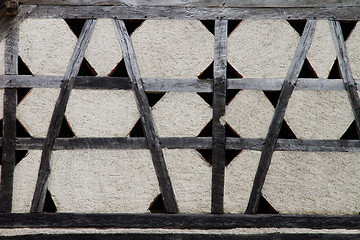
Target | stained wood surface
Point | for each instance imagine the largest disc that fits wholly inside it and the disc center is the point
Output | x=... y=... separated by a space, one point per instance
x=218 y=122
x=186 y=236
x=58 y=115
x=278 y=117
x=202 y=13
x=345 y=71
x=177 y=221
x=9 y=125
x=8 y=23
x=146 y=118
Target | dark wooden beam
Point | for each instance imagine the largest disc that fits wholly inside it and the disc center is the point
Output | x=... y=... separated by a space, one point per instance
x=187 y=236
x=58 y=115
x=177 y=221
x=8 y=23
x=202 y=13
x=275 y=125
x=218 y=124
x=146 y=118
x=345 y=71
x=9 y=124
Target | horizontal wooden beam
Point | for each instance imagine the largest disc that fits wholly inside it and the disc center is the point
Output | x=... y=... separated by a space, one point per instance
x=177 y=221
x=255 y=144
x=184 y=236
x=170 y=85
x=208 y=12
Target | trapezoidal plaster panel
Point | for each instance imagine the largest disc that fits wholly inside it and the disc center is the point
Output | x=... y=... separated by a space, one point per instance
x=25 y=177
x=173 y=48
x=95 y=181
x=181 y=114
x=191 y=179
x=46 y=45
x=353 y=50
x=102 y=113
x=321 y=54
x=239 y=177
x=314 y=183
x=104 y=51
x=250 y=114
x=36 y=109
x=262 y=48
x=319 y=114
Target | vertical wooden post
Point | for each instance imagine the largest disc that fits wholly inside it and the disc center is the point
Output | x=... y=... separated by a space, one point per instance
x=9 y=124
x=58 y=115
x=146 y=118
x=274 y=129
x=218 y=127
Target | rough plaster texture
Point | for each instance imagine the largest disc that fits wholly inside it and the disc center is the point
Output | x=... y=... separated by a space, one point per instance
x=352 y=45
x=2 y=57
x=191 y=179
x=46 y=45
x=25 y=176
x=250 y=114
x=239 y=177
x=36 y=109
x=314 y=182
x=322 y=53
x=94 y=181
x=181 y=115
x=102 y=113
x=262 y=48
x=103 y=52
x=173 y=48
x=319 y=114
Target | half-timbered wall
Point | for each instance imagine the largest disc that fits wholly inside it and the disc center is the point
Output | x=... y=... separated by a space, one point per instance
x=110 y=119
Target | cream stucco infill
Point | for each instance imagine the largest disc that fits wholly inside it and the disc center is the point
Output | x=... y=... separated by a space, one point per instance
x=2 y=57
x=262 y=48
x=353 y=50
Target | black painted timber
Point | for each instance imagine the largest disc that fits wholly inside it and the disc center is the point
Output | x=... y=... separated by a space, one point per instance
x=58 y=115
x=274 y=129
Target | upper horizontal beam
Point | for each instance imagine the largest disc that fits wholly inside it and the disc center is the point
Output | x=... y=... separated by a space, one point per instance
x=177 y=221
x=330 y=12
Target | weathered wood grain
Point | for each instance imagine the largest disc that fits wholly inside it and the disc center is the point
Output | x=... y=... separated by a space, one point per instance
x=275 y=125
x=178 y=221
x=58 y=115
x=345 y=71
x=202 y=13
x=9 y=124
x=146 y=118
x=8 y=23
x=218 y=123
x=187 y=236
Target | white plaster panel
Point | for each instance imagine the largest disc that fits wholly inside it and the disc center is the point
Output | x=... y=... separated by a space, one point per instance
x=46 y=45
x=319 y=114
x=94 y=181
x=2 y=57
x=353 y=50
x=36 y=109
x=191 y=179
x=314 y=182
x=101 y=113
x=321 y=54
x=250 y=114
x=239 y=177
x=25 y=177
x=173 y=48
x=181 y=114
x=262 y=48
x=104 y=51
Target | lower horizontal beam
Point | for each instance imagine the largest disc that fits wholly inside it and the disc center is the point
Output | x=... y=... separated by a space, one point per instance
x=146 y=236
x=169 y=85
x=191 y=143
x=177 y=221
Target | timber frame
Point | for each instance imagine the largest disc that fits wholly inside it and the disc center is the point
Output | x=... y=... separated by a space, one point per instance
x=221 y=11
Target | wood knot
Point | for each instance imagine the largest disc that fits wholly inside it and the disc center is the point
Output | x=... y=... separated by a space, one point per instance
x=11 y=8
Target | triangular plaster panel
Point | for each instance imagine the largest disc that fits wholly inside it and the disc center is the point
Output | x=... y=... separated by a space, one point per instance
x=352 y=46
